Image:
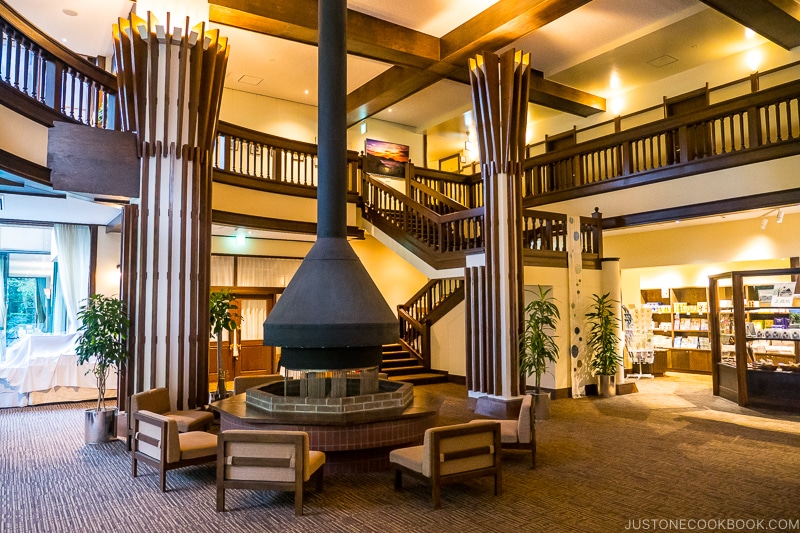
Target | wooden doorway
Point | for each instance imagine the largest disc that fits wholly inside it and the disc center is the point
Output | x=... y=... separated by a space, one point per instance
x=247 y=355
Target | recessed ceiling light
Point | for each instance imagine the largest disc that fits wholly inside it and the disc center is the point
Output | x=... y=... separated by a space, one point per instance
x=64 y=40
x=389 y=110
x=70 y=12
x=306 y=91
x=749 y=34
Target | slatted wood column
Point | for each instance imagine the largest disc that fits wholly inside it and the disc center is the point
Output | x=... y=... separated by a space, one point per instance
x=494 y=296
x=170 y=86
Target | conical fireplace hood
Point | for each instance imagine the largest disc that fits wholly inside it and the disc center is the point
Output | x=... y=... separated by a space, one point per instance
x=331 y=315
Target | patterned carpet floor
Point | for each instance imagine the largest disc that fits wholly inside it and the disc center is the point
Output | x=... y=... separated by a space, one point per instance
x=670 y=452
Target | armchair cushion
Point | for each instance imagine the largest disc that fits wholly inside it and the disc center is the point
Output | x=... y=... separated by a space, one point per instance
x=194 y=444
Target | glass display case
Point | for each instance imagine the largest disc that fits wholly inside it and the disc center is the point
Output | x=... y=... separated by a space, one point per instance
x=754 y=327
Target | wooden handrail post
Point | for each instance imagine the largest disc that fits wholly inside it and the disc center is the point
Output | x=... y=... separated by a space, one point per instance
x=597 y=233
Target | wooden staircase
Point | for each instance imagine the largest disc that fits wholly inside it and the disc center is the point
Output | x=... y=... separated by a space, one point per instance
x=400 y=365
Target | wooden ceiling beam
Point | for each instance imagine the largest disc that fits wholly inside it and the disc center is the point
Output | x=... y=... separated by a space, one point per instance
x=492 y=29
x=419 y=60
x=777 y=20
x=296 y=20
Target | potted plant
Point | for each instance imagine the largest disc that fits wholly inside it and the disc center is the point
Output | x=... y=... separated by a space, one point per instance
x=602 y=341
x=537 y=345
x=103 y=334
x=221 y=319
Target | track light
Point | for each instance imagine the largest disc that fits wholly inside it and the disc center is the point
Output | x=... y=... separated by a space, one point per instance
x=780 y=216
x=764 y=223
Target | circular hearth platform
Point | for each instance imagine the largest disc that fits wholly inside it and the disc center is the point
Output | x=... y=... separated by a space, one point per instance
x=351 y=446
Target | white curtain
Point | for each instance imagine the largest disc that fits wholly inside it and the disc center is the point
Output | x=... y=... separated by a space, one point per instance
x=254 y=313
x=73 y=244
x=222 y=270
x=3 y=264
x=266 y=271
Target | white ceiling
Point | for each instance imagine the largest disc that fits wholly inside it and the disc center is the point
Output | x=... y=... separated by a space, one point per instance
x=580 y=49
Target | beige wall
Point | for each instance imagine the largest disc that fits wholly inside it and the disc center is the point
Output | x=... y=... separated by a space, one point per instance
x=559 y=375
x=106 y=277
x=396 y=279
x=389 y=132
x=23 y=137
x=269 y=115
x=684 y=256
x=448 y=343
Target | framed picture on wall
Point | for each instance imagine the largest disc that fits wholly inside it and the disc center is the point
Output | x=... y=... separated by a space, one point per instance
x=385 y=158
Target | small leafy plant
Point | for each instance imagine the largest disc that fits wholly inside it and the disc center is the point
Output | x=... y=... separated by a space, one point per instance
x=602 y=339
x=220 y=303
x=103 y=332
x=537 y=344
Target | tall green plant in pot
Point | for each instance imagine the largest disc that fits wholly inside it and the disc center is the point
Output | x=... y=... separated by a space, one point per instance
x=221 y=318
x=103 y=334
x=537 y=345
x=603 y=341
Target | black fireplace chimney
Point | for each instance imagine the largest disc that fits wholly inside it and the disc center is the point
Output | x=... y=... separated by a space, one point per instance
x=331 y=315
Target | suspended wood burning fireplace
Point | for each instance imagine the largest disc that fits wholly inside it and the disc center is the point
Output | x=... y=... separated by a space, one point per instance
x=331 y=317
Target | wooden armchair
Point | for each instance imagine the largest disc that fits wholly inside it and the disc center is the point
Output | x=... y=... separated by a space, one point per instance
x=518 y=434
x=451 y=454
x=157 y=442
x=267 y=460
x=157 y=401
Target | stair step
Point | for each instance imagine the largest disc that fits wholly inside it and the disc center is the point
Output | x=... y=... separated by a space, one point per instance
x=398 y=370
x=399 y=363
x=396 y=347
x=394 y=356
x=424 y=378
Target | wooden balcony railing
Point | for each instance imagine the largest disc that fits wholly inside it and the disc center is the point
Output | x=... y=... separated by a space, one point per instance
x=545 y=236
x=46 y=82
x=422 y=310
x=249 y=153
x=747 y=129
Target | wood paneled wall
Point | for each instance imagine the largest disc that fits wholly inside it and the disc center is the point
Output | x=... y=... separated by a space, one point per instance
x=170 y=87
x=494 y=292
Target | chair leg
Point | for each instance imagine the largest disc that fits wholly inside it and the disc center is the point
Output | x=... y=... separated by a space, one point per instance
x=133 y=463
x=220 y=499
x=320 y=478
x=398 y=479
x=298 y=502
x=437 y=496
x=163 y=475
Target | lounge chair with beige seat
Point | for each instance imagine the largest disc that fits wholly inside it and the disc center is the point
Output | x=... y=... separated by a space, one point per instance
x=157 y=442
x=451 y=454
x=267 y=460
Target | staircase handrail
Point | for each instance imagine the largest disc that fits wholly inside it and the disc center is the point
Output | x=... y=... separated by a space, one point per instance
x=450 y=204
x=421 y=209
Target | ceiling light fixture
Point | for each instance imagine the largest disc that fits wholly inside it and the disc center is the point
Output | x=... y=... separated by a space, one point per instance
x=363 y=128
x=753 y=60
x=389 y=110
x=749 y=34
x=764 y=223
x=70 y=12
x=780 y=216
